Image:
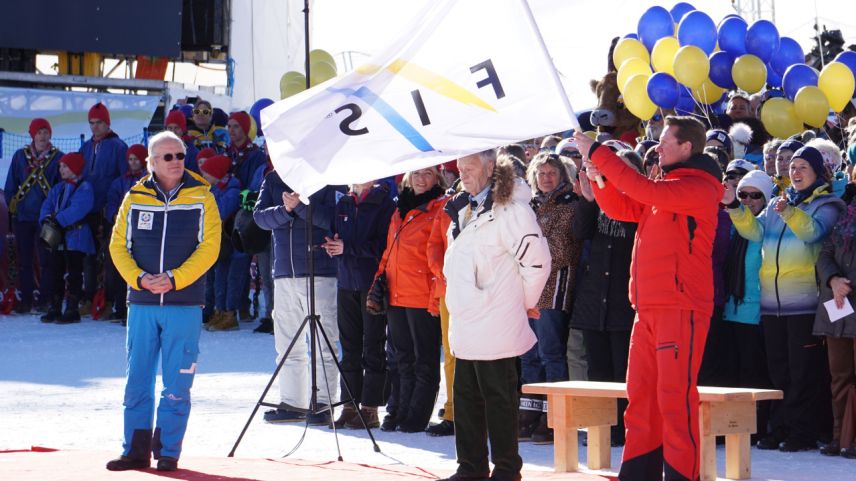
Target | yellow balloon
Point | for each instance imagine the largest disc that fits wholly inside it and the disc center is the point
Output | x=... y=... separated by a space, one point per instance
x=628 y=48
x=320 y=72
x=631 y=67
x=691 y=66
x=780 y=118
x=291 y=88
x=636 y=97
x=811 y=106
x=290 y=76
x=749 y=73
x=663 y=54
x=708 y=92
x=319 y=55
x=837 y=82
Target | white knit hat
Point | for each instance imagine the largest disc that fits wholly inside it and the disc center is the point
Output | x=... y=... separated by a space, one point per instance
x=759 y=180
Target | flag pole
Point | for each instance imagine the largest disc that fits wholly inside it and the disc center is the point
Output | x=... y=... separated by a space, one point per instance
x=574 y=122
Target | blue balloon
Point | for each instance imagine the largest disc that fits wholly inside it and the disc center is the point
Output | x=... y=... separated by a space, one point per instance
x=655 y=24
x=788 y=54
x=720 y=69
x=664 y=90
x=187 y=110
x=732 y=35
x=848 y=58
x=762 y=40
x=255 y=111
x=632 y=35
x=686 y=104
x=774 y=80
x=796 y=77
x=679 y=10
x=697 y=29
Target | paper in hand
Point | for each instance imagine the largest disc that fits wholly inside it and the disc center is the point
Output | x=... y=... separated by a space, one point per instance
x=834 y=312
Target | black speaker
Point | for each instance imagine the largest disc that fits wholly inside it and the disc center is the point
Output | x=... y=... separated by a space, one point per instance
x=17 y=60
x=205 y=25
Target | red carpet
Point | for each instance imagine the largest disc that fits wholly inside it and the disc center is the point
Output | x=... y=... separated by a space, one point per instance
x=44 y=464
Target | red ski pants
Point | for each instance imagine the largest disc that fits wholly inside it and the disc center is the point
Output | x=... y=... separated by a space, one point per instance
x=661 y=419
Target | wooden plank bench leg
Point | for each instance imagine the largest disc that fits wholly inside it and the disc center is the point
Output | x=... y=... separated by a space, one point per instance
x=707 y=455
x=599 y=451
x=565 y=450
x=738 y=457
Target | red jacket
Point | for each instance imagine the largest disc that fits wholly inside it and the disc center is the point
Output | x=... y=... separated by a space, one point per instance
x=438 y=242
x=407 y=270
x=677 y=215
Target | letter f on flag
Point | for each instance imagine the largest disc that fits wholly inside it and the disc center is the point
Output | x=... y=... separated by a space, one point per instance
x=470 y=75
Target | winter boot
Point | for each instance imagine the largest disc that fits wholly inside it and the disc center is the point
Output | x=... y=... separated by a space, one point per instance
x=542 y=434
x=71 y=313
x=369 y=416
x=527 y=417
x=227 y=322
x=265 y=326
x=348 y=413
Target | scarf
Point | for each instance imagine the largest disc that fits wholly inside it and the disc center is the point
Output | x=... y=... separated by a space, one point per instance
x=409 y=200
x=735 y=269
x=35 y=160
x=796 y=197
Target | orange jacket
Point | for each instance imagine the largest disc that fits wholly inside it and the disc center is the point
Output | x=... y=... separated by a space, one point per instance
x=406 y=258
x=677 y=216
x=438 y=242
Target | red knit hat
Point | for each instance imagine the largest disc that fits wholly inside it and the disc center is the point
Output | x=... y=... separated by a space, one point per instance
x=140 y=151
x=176 y=117
x=243 y=120
x=39 y=124
x=217 y=166
x=99 y=111
x=74 y=161
x=206 y=153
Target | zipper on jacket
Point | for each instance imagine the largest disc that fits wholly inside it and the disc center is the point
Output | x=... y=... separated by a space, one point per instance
x=691 y=228
x=776 y=279
x=669 y=345
x=291 y=249
x=163 y=232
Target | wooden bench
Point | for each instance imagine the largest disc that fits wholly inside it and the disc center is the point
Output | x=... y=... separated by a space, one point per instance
x=572 y=405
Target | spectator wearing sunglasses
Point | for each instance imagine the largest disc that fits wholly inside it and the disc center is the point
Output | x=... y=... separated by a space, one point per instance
x=720 y=138
x=176 y=123
x=205 y=132
x=568 y=148
x=743 y=305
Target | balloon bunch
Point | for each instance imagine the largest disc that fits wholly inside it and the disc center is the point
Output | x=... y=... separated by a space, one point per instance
x=680 y=59
x=322 y=67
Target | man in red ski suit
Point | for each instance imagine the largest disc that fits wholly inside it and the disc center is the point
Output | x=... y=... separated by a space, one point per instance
x=671 y=288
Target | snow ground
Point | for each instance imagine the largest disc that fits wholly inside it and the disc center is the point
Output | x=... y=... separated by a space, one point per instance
x=61 y=387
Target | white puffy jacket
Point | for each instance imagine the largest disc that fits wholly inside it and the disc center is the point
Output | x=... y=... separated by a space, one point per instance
x=495 y=269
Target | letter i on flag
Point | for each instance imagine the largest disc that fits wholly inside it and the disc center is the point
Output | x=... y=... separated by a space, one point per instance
x=469 y=75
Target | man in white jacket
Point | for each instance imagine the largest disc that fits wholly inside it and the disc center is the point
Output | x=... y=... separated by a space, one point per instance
x=495 y=267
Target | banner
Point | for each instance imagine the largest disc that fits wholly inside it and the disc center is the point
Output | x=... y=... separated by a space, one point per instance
x=470 y=75
x=67 y=111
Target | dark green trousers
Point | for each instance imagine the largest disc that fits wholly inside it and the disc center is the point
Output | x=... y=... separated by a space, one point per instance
x=486 y=403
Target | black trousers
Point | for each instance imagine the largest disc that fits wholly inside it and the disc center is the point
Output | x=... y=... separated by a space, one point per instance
x=798 y=365
x=415 y=337
x=60 y=262
x=752 y=366
x=719 y=362
x=486 y=404
x=607 y=353
x=363 y=359
x=115 y=287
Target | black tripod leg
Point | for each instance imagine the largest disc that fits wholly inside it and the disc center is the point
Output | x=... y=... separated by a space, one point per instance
x=347 y=387
x=269 y=384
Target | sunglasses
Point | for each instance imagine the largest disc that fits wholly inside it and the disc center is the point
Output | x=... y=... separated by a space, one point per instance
x=572 y=154
x=201 y=111
x=169 y=157
x=733 y=176
x=751 y=195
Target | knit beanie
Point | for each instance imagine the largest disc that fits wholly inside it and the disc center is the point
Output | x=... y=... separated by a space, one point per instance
x=759 y=180
x=217 y=166
x=39 y=124
x=206 y=153
x=790 y=144
x=99 y=111
x=74 y=161
x=176 y=117
x=722 y=137
x=140 y=151
x=243 y=120
x=814 y=159
x=737 y=165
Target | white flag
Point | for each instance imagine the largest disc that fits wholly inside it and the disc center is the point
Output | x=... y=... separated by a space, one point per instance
x=470 y=75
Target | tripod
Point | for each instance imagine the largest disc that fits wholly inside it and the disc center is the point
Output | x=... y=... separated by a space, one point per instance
x=313 y=321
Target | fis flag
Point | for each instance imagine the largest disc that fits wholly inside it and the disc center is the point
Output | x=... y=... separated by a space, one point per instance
x=469 y=75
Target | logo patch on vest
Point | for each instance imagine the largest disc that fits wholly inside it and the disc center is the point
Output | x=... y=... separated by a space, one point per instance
x=145 y=221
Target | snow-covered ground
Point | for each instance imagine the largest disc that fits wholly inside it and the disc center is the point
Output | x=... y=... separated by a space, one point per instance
x=61 y=386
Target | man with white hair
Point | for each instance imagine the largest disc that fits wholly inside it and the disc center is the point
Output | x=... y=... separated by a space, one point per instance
x=496 y=266
x=166 y=237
